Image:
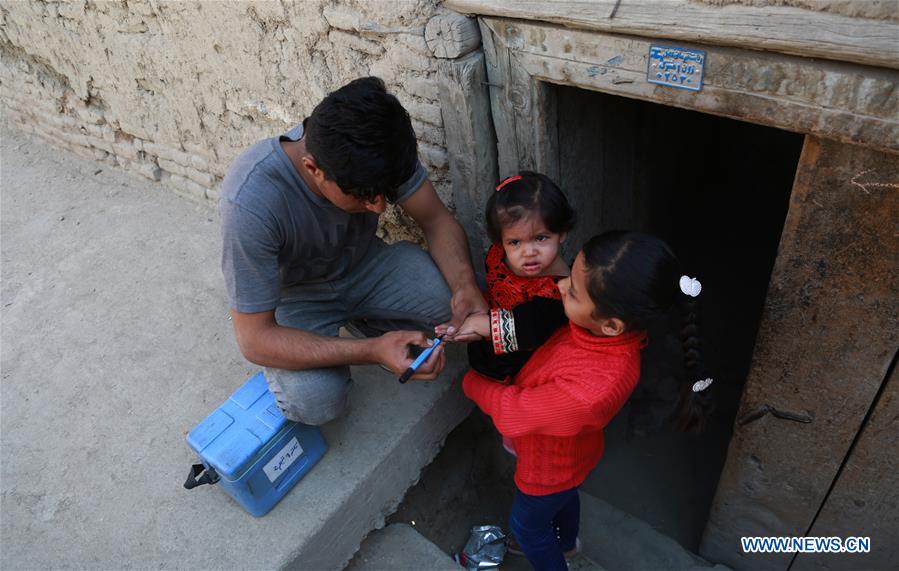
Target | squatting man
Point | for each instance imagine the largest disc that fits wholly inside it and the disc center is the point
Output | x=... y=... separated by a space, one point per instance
x=300 y=256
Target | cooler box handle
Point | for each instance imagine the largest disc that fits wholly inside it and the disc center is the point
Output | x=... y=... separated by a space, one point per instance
x=210 y=477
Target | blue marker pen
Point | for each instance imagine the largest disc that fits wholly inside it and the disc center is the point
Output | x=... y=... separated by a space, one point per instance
x=419 y=360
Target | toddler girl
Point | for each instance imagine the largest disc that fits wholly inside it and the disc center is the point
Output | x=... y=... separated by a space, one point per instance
x=557 y=405
x=528 y=218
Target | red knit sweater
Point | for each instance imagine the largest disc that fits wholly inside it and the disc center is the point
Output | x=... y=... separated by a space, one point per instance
x=558 y=404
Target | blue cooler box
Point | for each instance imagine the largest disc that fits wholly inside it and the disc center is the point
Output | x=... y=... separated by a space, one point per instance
x=251 y=451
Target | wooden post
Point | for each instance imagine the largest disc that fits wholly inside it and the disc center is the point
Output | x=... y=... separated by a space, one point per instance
x=865 y=500
x=825 y=344
x=524 y=109
x=451 y=35
x=470 y=138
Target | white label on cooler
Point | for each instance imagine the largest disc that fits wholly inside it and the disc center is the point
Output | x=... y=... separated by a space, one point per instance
x=283 y=460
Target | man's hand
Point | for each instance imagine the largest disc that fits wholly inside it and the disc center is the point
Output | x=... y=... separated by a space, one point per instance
x=392 y=351
x=467 y=301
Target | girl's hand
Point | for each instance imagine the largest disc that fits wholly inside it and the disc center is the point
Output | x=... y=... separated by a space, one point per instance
x=476 y=326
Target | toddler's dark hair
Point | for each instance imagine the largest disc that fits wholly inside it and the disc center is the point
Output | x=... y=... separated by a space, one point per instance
x=523 y=194
x=635 y=277
x=362 y=139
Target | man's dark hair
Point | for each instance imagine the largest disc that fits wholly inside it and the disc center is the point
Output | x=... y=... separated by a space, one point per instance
x=362 y=139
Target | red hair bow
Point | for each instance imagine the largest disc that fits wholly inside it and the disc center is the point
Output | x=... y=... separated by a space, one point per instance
x=507 y=181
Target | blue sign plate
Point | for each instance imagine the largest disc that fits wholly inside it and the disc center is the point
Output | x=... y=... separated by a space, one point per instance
x=675 y=67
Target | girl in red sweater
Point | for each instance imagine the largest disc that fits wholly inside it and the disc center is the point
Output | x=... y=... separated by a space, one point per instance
x=559 y=402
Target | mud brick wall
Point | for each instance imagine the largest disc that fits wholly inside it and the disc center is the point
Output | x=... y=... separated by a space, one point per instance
x=174 y=90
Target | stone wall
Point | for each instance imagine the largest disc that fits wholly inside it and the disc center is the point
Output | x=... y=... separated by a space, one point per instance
x=174 y=90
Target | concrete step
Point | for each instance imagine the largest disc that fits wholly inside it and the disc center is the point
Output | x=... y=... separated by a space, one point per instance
x=470 y=483
x=116 y=342
x=376 y=453
x=612 y=539
x=620 y=541
x=579 y=562
x=399 y=547
x=582 y=562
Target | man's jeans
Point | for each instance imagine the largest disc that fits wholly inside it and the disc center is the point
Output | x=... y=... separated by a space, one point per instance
x=393 y=287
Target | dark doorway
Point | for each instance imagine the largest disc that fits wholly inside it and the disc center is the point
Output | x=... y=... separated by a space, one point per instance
x=717 y=190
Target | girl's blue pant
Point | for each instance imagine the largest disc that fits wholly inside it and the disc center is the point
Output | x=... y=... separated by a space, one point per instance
x=546 y=527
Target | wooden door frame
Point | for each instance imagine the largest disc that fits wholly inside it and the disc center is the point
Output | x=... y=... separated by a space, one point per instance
x=843 y=102
x=847 y=112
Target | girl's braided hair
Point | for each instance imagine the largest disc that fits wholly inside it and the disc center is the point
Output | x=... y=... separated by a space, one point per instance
x=635 y=277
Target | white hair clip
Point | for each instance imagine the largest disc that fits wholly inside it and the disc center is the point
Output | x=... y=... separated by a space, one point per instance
x=690 y=286
x=702 y=385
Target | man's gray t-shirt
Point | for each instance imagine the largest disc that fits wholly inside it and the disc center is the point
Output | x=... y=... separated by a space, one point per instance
x=277 y=233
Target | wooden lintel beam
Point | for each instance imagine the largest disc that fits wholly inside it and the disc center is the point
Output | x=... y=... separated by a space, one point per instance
x=781 y=29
